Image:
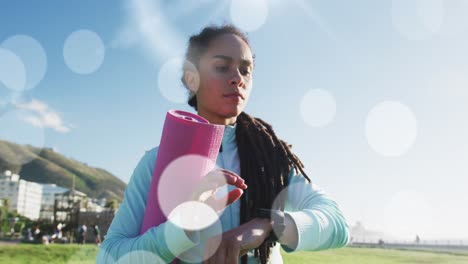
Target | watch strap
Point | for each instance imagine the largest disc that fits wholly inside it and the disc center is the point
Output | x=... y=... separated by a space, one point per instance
x=277 y=216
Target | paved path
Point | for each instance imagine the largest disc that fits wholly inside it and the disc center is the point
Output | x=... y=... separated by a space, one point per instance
x=9 y=242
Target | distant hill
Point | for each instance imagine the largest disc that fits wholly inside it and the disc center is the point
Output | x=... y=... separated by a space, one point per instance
x=48 y=166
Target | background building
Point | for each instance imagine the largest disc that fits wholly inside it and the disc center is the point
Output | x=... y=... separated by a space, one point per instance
x=24 y=197
x=48 y=200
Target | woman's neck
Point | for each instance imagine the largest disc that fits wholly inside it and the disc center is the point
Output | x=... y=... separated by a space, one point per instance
x=218 y=120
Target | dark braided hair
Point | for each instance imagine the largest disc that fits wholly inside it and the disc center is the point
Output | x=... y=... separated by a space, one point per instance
x=265 y=160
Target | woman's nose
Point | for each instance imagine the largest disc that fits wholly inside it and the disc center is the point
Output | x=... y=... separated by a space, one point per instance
x=236 y=79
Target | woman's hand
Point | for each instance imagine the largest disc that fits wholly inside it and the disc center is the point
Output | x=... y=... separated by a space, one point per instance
x=238 y=241
x=211 y=183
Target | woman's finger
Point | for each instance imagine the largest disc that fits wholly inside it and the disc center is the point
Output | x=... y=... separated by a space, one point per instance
x=222 y=177
x=220 y=204
x=231 y=173
x=234 y=179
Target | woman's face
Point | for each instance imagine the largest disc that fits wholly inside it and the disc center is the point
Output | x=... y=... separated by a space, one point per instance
x=225 y=79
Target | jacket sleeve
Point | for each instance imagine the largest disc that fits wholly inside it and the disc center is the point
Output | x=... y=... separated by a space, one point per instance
x=159 y=244
x=319 y=222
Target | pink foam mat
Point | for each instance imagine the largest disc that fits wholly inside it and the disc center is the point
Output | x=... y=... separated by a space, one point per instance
x=184 y=134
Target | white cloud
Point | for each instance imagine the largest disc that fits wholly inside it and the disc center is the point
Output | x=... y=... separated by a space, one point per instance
x=41 y=115
x=148 y=25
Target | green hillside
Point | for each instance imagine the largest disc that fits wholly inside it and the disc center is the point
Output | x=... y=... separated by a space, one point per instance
x=48 y=166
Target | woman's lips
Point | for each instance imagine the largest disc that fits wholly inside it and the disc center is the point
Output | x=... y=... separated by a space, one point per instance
x=233 y=97
x=234 y=94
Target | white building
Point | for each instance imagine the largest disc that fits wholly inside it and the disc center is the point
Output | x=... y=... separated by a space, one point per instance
x=48 y=200
x=93 y=205
x=23 y=196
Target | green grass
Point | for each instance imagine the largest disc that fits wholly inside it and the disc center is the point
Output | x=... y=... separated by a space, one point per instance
x=74 y=254
x=50 y=254
x=373 y=256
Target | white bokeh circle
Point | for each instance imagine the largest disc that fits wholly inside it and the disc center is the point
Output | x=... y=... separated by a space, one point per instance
x=209 y=240
x=84 y=51
x=249 y=15
x=417 y=19
x=391 y=128
x=318 y=108
x=32 y=55
x=193 y=215
x=5 y=100
x=407 y=214
x=12 y=70
x=169 y=80
x=182 y=178
x=140 y=256
x=21 y=127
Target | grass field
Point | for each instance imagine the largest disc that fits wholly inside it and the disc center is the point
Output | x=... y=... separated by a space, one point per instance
x=74 y=254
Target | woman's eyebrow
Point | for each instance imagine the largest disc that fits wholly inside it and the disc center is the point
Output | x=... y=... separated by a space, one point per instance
x=230 y=59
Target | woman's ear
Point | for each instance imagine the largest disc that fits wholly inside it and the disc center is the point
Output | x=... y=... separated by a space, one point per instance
x=191 y=77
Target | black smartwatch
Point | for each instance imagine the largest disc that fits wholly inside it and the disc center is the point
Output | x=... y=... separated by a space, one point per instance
x=277 y=216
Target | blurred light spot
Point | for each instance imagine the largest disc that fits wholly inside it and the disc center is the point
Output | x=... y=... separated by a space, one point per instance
x=170 y=83
x=210 y=237
x=83 y=51
x=33 y=56
x=391 y=128
x=5 y=95
x=12 y=70
x=193 y=215
x=185 y=175
x=318 y=108
x=249 y=15
x=417 y=19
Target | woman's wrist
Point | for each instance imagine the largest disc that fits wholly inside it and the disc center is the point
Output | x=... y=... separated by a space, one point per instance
x=290 y=236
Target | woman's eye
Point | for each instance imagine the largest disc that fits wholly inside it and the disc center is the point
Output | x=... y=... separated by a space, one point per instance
x=245 y=72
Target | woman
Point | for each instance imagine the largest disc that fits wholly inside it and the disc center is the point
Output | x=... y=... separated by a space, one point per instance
x=218 y=75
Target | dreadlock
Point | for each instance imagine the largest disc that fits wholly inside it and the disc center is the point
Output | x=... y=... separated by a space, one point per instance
x=265 y=163
x=265 y=160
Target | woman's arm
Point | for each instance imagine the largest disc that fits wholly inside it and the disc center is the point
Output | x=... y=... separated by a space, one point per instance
x=123 y=238
x=313 y=220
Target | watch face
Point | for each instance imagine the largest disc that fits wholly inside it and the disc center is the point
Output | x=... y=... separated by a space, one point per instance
x=277 y=216
x=278 y=222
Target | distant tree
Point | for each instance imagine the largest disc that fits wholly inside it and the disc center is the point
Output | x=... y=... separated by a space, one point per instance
x=4 y=215
x=112 y=205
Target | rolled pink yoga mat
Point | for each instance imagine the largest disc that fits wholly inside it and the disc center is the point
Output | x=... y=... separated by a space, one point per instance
x=183 y=134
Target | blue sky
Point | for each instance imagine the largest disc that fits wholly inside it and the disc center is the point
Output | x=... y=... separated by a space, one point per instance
x=372 y=94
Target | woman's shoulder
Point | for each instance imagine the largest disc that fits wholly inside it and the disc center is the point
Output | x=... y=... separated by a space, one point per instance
x=149 y=157
x=144 y=168
x=151 y=153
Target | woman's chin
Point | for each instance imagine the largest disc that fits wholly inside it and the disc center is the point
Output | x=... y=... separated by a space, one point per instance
x=233 y=112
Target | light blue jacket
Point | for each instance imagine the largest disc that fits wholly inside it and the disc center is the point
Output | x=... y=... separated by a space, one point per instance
x=319 y=222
